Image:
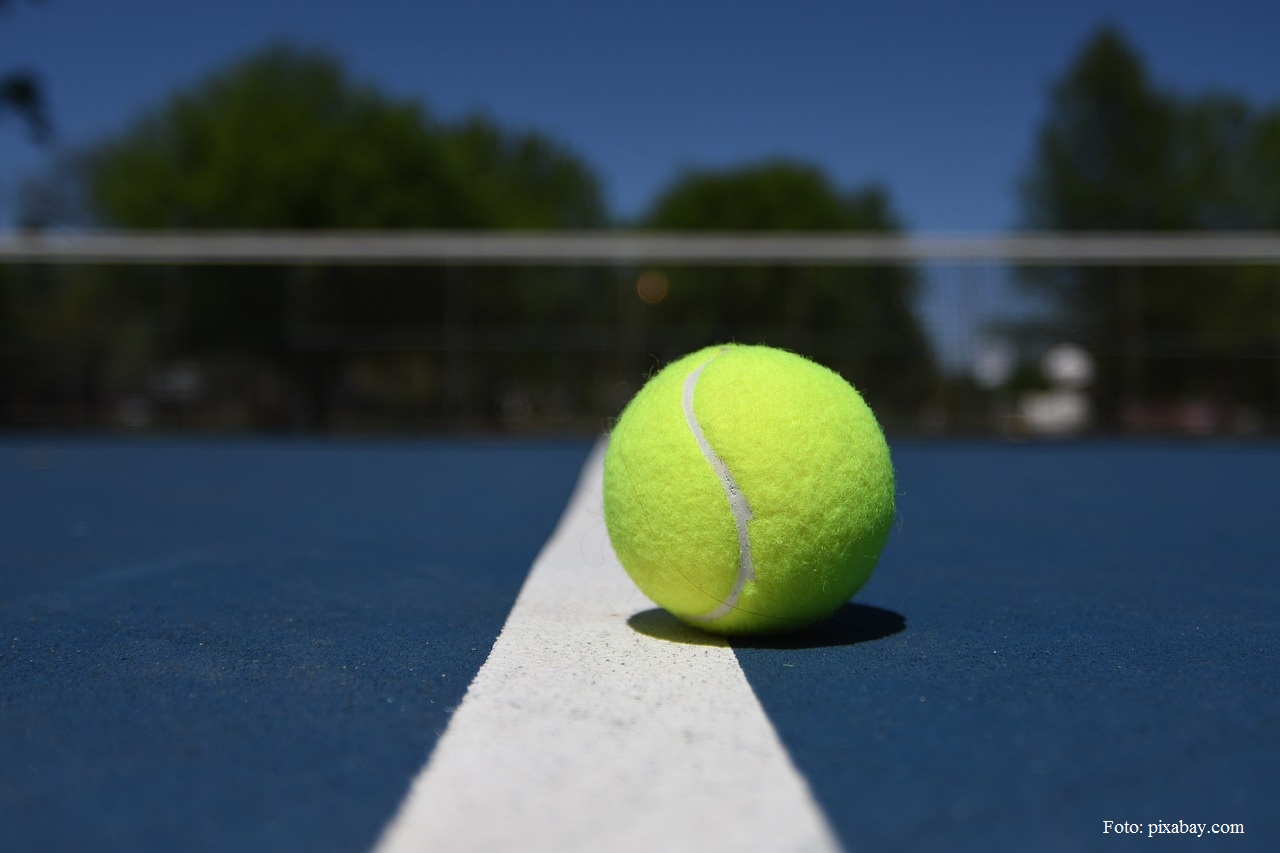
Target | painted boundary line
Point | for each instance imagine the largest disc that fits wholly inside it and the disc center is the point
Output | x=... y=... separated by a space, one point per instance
x=581 y=734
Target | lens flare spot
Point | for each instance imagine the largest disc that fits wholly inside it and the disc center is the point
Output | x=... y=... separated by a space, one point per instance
x=652 y=287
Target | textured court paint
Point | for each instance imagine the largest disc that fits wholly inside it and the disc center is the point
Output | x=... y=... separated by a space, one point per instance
x=198 y=641
x=738 y=504
x=1091 y=632
x=246 y=645
x=582 y=734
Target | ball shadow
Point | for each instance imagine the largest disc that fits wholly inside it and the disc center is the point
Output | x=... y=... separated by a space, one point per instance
x=661 y=625
x=850 y=625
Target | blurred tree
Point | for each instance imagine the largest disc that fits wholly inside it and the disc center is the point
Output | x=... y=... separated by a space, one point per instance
x=860 y=321
x=1117 y=153
x=284 y=139
x=1104 y=156
x=523 y=180
x=22 y=94
x=773 y=196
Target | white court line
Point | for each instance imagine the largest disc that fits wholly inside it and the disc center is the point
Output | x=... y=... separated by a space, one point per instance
x=581 y=734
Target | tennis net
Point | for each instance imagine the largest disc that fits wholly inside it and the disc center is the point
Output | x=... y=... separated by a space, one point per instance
x=1012 y=335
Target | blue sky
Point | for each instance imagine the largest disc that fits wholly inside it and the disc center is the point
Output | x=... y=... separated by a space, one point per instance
x=938 y=101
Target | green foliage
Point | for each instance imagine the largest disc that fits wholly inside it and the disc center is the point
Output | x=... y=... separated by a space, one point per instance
x=523 y=180
x=860 y=321
x=1105 y=154
x=285 y=140
x=1118 y=153
x=773 y=196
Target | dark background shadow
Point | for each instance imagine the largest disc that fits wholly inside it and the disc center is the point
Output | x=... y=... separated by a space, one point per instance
x=851 y=624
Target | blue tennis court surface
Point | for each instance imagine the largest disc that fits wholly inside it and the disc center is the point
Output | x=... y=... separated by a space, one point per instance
x=240 y=646
x=256 y=645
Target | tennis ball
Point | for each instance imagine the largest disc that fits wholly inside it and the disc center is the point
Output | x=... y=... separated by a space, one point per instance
x=748 y=490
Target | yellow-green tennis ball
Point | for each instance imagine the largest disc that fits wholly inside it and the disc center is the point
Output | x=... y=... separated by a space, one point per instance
x=748 y=490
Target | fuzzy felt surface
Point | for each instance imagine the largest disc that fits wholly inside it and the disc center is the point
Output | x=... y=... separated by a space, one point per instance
x=808 y=456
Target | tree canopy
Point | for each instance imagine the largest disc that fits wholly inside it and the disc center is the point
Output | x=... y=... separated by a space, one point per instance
x=284 y=139
x=22 y=94
x=777 y=195
x=859 y=320
x=1117 y=152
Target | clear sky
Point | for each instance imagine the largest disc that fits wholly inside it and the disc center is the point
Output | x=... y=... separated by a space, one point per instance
x=938 y=101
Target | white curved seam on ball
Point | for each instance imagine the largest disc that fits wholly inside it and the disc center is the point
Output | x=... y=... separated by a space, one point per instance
x=738 y=504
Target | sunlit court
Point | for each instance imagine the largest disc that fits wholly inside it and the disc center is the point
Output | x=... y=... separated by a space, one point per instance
x=396 y=460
